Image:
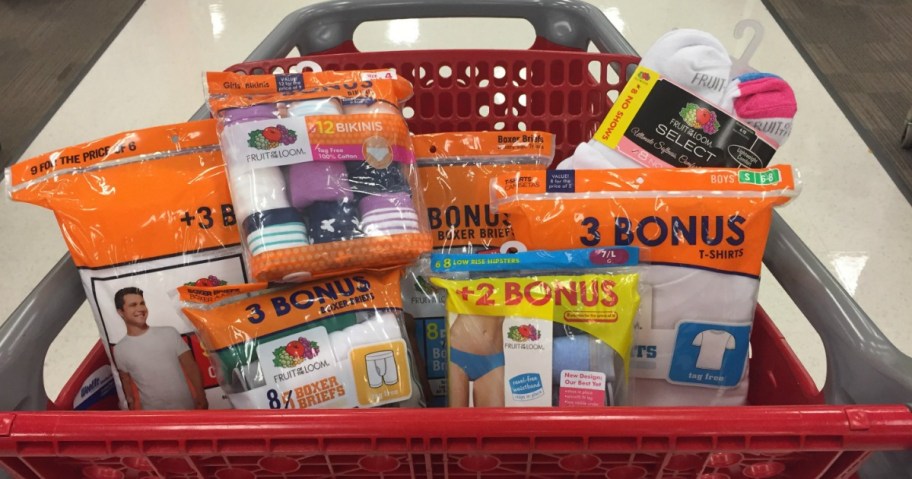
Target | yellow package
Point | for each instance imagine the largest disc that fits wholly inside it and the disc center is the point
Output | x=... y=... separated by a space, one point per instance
x=539 y=328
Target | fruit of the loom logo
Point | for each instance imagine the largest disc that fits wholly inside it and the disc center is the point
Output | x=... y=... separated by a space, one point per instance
x=295 y=353
x=524 y=333
x=271 y=137
x=212 y=280
x=698 y=117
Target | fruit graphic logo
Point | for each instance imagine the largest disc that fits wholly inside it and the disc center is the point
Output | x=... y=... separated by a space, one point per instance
x=212 y=280
x=643 y=76
x=295 y=353
x=271 y=137
x=699 y=117
x=524 y=333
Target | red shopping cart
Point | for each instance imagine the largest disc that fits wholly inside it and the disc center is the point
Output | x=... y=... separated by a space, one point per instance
x=790 y=430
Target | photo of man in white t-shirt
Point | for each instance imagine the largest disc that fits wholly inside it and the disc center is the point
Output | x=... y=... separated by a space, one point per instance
x=157 y=369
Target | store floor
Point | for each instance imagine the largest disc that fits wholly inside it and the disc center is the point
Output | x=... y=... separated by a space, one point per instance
x=849 y=213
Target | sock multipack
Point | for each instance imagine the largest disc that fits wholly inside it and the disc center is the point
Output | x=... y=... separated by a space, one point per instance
x=684 y=107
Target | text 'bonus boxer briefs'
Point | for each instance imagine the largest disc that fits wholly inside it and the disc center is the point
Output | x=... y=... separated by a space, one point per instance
x=321 y=171
x=332 y=343
x=455 y=170
x=143 y=212
x=539 y=328
x=702 y=234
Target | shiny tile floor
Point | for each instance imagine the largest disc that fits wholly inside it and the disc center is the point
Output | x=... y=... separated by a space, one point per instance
x=849 y=212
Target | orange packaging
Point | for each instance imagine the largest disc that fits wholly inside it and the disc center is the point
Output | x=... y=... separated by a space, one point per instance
x=321 y=171
x=143 y=212
x=715 y=219
x=702 y=234
x=337 y=342
x=455 y=169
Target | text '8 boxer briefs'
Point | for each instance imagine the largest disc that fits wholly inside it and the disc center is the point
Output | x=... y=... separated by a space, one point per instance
x=332 y=343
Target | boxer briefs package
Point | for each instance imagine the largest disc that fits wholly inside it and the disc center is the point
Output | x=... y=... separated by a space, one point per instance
x=702 y=233
x=143 y=212
x=539 y=328
x=321 y=171
x=332 y=343
x=454 y=171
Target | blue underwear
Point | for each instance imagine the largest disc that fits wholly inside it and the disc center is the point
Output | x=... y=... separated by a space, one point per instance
x=476 y=365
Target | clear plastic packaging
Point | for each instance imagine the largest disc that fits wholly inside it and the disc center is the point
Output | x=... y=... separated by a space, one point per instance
x=539 y=328
x=703 y=233
x=333 y=343
x=321 y=171
x=143 y=212
x=454 y=171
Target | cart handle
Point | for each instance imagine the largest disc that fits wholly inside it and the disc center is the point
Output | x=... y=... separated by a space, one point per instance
x=324 y=26
x=863 y=366
x=27 y=334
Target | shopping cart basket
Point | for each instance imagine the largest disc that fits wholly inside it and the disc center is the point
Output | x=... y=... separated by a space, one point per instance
x=788 y=432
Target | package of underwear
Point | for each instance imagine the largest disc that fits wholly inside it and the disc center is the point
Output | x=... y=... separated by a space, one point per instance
x=143 y=212
x=454 y=171
x=703 y=233
x=321 y=171
x=332 y=343
x=539 y=328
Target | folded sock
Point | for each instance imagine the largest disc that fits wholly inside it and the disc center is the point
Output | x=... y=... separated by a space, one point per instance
x=595 y=155
x=763 y=101
x=693 y=59
x=388 y=213
x=333 y=221
x=274 y=229
x=367 y=180
x=318 y=181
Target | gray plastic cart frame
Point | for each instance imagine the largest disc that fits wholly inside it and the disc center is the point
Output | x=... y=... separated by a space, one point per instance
x=863 y=366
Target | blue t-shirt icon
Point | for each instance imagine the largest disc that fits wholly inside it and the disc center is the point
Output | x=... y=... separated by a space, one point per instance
x=709 y=354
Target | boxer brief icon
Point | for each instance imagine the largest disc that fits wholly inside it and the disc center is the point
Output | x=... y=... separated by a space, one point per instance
x=381 y=368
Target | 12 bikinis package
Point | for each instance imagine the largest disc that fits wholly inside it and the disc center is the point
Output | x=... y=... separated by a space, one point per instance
x=305 y=250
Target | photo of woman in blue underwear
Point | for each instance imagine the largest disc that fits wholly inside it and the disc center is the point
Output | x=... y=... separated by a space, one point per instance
x=477 y=357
